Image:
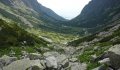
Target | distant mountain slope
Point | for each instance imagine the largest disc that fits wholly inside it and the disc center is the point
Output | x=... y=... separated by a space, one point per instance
x=97 y=14
x=101 y=18
x=32 y=5
x=29 y=13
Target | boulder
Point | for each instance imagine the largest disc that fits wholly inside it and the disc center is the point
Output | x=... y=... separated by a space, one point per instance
x=51 y=62
x=2 y=63
x=78 y=66
x=23 y=64
x=42 y=62
x=44 y=49
x=103 y=67
x=61 y=58
x=65 y=64
x=6 y=60
x=1 y=66
x=93 y=57
x=1 y=69
x=24 y=54
x=55 y=54
x=114 y=55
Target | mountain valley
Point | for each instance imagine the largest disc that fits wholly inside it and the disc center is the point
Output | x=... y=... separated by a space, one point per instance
x=33 y=37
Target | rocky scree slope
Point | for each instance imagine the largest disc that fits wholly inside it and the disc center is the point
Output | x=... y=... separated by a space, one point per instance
x=101 y=49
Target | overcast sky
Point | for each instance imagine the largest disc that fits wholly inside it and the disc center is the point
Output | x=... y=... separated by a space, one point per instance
x=65 y=8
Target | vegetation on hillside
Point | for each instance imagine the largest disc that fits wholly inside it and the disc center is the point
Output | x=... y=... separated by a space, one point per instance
x=13 y=35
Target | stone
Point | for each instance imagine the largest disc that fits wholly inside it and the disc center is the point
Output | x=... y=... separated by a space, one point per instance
x=42 y=62
x=73 y=60
x=51 y=62
x=61 y=58
x=103 y=67
x=46 y=39
x=65 y=63
x=1 y=65
x=105 y=61
x=114 y=55
x=34 y=68
x=55 y=54
x=23 y=64
x=96 y=48
x=24 y=54
x=78 y=66
x=34 y=56
x=6 y=60
x=93 y=57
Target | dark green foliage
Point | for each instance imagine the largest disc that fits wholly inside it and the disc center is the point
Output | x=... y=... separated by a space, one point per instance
x=9 y=15
x=11 y=34
x=84 y=39
x=97 y=13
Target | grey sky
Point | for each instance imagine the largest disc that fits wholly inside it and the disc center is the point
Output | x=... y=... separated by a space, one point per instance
x=65 y=8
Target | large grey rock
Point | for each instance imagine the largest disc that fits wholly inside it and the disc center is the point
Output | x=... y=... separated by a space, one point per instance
x=2 y=63
x=100 y=68
x=114 y=55
x=23 y=64
x=51 y=62
x=103 y=67
x=69 y=50
x=78 y=66
x=1 y=69
x=6 y=60
x=61 y=58
x=42 y=62
x=55 y=54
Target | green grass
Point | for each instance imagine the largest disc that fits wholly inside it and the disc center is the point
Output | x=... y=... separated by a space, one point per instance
x=13 y=35
x=17 y=49
x=86 y=56
x=55 y=37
